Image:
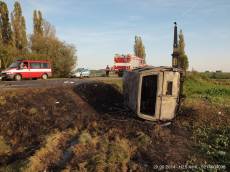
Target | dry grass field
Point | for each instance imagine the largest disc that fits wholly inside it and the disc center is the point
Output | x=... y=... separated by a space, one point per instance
x=87 y=128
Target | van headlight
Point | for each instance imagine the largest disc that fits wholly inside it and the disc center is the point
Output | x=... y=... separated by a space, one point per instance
x=8 y=73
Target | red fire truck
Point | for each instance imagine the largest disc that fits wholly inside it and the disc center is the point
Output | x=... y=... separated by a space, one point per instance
x=126 y=62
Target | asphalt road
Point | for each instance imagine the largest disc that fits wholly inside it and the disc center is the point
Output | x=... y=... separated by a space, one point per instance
x=48 y=83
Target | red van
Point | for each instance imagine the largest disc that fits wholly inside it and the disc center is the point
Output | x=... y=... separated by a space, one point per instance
x=27 y=69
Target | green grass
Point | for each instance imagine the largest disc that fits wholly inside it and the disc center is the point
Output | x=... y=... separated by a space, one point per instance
x=212 y=139
x=214 y=143
x=217 y=75
x=199 y=86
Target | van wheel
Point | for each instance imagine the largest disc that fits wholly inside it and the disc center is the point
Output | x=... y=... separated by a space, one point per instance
x=44 y=76
x=17 y=77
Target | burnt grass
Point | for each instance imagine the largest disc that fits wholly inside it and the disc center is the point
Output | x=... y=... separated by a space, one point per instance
x=27 y=116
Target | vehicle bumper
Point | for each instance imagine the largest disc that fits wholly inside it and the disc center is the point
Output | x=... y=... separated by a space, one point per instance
x=7 y=76
x=77 y=75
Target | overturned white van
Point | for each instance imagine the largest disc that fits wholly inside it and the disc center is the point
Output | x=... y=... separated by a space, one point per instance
x=153 y=93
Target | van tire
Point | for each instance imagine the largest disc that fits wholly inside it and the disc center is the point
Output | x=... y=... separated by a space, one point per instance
x=17 y=77
x=44 y=76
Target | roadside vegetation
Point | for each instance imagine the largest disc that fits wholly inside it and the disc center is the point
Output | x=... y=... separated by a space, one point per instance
x=87 y=128
x=200 y=86
x=217 y=75
x=42 y=44
x=210 y=127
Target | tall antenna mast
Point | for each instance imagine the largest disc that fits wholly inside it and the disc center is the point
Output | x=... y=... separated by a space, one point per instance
x=175 y=54
x=175 y=42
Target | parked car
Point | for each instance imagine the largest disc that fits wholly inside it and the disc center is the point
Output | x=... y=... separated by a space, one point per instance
x=33 y=69
x=81 y=73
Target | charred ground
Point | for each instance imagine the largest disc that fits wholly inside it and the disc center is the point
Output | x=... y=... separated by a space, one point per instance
x=38 y=126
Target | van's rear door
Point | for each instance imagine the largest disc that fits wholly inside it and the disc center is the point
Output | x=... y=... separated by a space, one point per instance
x=170 y=94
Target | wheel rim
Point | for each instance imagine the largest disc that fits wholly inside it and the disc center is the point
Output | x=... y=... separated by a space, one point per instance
x=18 y=77
x=44 y=76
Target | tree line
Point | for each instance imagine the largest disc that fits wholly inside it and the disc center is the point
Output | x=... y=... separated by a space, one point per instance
x=183 y=63
x=42 y=44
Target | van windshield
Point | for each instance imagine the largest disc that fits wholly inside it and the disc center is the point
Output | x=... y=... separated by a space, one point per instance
x=80 y=69
x=15 y=64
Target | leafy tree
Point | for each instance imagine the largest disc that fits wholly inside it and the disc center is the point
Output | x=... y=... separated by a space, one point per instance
x=139 y=49
x=5 y=27
x=38 y=23
x=64 y=59
x=48 y=46
x=61 y=55
x=8 y=54
x=43 y=43
x=19 y=28
x=37 y=37
x=48 y=29
x=183 y=59
x=7 y=50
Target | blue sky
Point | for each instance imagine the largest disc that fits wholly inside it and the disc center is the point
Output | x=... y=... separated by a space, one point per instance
x=101 y=28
